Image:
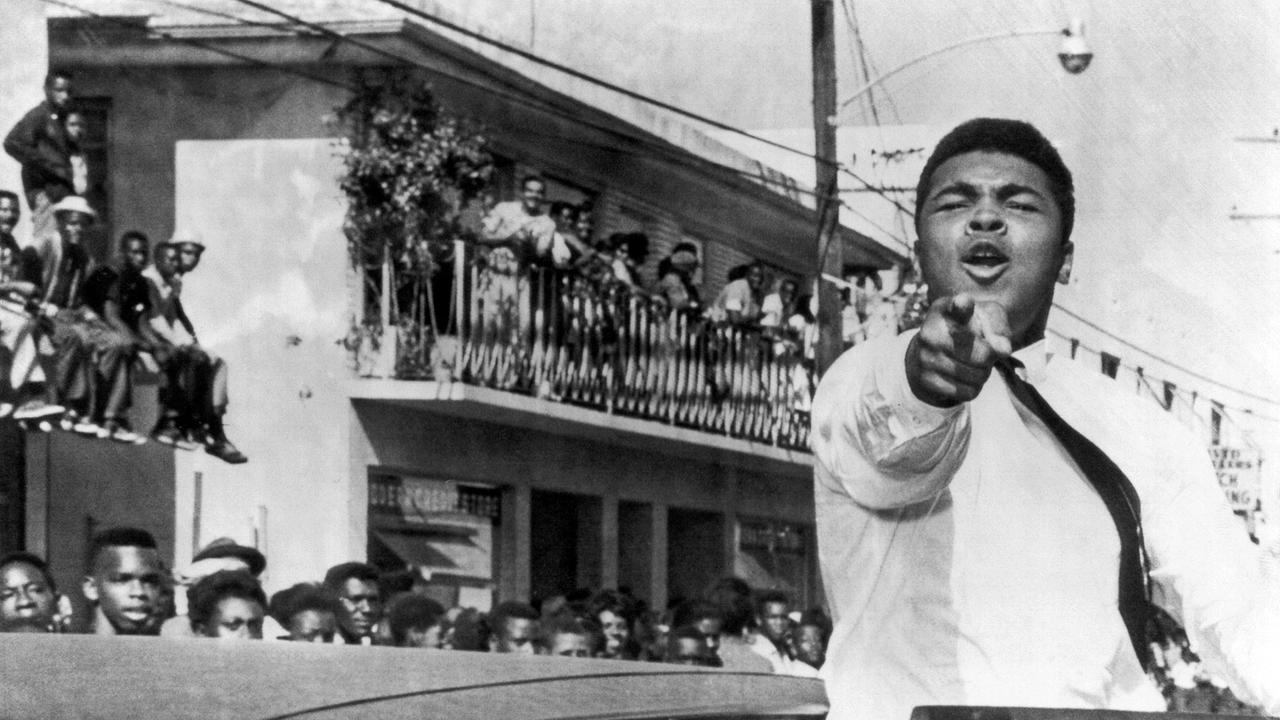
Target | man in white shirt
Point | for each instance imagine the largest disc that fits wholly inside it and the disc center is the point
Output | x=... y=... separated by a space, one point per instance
x=960 y=526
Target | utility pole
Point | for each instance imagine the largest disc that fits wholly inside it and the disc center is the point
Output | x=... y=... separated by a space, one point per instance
x=829 y=248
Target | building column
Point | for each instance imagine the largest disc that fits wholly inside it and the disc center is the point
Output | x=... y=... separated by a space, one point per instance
x=37 y=494
x=729 y=540
x=513 y=564
x=658 y=557
x=609 y=541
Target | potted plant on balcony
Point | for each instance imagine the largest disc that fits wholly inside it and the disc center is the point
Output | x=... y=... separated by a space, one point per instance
x=411 y=169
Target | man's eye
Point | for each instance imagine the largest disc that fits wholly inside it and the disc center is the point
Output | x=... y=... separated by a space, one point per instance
x=1023 y=206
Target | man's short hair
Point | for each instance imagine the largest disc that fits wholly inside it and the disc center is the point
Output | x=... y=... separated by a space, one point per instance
x=161 y=248
x=624 y=606
x=131 y=235
x=409 y=611
x=34 y=561
x=817 y=617
x=1010 y=137
x=694 y=611
x=532 y=177
x=287 y=603
x=764 y=597
x=204 y=596
x=733 y=596
x=118 y=537
x=566 y=623
x=56 y=73
x=509 y=610
x=9 y=195
x=339 y=574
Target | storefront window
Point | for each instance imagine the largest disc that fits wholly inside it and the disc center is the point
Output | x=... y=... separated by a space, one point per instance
x=778 y=555
x=445 y=533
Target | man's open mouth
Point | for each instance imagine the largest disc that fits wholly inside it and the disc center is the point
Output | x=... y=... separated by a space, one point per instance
x=985 y=261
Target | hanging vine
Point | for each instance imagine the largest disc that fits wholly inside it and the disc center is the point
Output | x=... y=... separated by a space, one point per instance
x=410 y=170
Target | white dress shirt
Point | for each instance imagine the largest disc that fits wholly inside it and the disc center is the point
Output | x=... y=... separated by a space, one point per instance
x=967 y=560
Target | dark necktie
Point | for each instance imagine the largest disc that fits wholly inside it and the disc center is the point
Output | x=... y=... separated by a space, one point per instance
x=1118 y=495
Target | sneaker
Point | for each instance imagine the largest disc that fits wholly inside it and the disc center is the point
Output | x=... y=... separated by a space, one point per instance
x=69 y=420
x=191 y=439
x=166 y=433
x=119 y=431
x=43 y=425
x=33 y=409
x=85 y=426
x=225 y=451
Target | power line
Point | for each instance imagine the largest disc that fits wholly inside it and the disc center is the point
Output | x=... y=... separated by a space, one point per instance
x=199 y=44
x=629 y=93
x=1170 y=363
x=1178 y=392
x=398 y=58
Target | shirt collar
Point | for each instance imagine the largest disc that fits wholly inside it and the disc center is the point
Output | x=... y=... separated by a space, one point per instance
x=1034 y=359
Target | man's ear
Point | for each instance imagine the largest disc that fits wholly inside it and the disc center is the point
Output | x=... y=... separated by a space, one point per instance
x=90 y=589
x=1068 y=255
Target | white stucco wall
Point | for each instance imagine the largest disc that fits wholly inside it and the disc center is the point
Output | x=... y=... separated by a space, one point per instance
x=24 y=60
x=270 y=298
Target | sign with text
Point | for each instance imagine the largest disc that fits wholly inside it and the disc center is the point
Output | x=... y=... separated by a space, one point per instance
x=1239 y=475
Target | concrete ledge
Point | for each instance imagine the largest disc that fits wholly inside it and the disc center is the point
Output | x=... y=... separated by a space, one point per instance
x=508 y=408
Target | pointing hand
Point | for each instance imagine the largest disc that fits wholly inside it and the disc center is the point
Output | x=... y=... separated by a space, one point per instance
x=951 y=357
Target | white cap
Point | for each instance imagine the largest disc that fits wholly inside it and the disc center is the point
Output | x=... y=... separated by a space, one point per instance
x=182 y=236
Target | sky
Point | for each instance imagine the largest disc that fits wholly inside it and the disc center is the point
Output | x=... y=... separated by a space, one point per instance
x=1150 y=130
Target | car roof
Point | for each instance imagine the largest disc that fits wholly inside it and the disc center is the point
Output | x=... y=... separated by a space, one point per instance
x=86 y=676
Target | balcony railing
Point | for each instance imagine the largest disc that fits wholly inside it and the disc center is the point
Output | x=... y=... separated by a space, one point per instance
x=563 y=336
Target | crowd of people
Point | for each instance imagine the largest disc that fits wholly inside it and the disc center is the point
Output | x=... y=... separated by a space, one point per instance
x=73 y=330
x=130 y=592
x=530 y=233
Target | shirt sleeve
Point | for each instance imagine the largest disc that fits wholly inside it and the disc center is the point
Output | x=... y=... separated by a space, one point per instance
x=883 y=446
x=502 y=223
x=1210 y=577
x=771 y=310
x=22 y=143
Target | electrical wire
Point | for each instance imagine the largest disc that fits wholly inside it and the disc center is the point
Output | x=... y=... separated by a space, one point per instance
x=1170 y=363
x=1177 y=391
x=840 y=167
x=199 y=44
x=298 y=21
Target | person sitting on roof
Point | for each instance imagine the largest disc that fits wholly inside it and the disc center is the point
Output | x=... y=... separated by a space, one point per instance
x=196 y=391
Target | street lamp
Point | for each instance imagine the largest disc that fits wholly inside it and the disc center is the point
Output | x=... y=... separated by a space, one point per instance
x=1074 y=55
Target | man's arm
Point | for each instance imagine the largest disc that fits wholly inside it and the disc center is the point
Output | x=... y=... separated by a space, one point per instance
x=111 y=307
x=23 y=143
x=26 y=284
x=887 y=443
x=500 y=226
x=182 y=318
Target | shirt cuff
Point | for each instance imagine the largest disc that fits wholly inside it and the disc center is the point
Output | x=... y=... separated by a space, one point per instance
x=915 y=416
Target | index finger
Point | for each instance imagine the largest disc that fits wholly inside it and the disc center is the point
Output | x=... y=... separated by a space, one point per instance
x=992 y=323
x=959 y=309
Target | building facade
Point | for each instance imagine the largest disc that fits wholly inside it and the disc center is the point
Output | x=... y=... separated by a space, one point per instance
x=638 y=477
